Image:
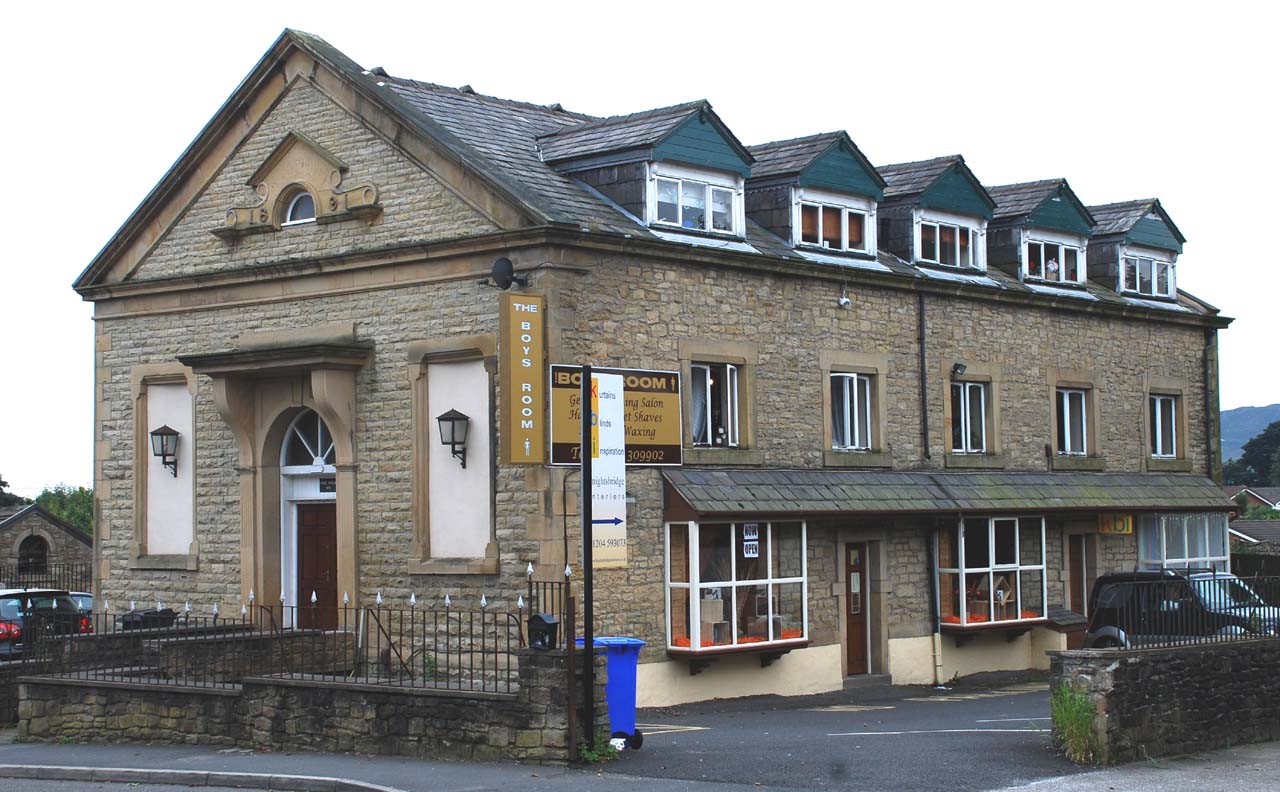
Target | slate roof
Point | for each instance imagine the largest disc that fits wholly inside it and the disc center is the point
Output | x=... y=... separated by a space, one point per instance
x=11 y=518
x=1119 y=218
x=616 y=133
x=1269 y=494
x=799 y=492
x=1018 y=200
x=913 y=178
x=1262 y=530
x=784 y=157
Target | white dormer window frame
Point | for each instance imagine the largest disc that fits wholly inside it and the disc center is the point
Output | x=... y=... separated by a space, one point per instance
x=714 y=186
x=1147 y=272
x=1047 y=256
x=837 y=208
x=941 y=228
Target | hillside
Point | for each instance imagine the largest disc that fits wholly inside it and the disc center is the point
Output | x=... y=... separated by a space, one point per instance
x=1241 y=424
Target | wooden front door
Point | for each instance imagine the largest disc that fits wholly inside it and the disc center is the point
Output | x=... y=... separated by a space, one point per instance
x=318 y=565
x=856 y=599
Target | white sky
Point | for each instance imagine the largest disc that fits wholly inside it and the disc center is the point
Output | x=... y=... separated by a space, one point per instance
x=1126 y=100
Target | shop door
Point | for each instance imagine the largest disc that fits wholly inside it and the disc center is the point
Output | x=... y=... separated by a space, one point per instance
x=318 y=565
x=856 y=599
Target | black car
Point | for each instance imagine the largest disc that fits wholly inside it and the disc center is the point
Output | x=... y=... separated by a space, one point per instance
x=27 y=613
x=1136 y=609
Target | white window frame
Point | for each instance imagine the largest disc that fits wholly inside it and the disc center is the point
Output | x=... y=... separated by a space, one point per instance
x=730 y=408
x=992 y=569
x=857 y=389
x=846 y=204
x=1161 y=524
x=1063 y=408
x=977 y=228
x=708 y=180
x=1157 y=260
x=695 y=584
x=288 y=212
x=966 y=415
x=1064 y=241
x=1155 y=420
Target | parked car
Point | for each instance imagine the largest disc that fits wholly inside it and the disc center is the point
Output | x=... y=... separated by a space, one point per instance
x=1135 y=609
x=84 y=599
x=25 y=613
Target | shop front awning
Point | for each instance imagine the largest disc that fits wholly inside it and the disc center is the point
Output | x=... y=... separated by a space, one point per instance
x=831 y=492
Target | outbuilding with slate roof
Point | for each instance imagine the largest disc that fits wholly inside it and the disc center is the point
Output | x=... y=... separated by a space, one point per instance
x=862 y=435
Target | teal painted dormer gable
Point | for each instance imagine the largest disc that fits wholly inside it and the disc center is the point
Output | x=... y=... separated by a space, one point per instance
x=957 y=191
x=838 y=169
x=703 y=141
x=1155 y=232
x=1062 y=212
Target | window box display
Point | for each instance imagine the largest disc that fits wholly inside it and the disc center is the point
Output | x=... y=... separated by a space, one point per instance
x=735 y=586
x=991 y=572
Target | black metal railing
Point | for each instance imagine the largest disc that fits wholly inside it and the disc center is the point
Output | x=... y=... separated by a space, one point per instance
x=452 y=649
x=551 y=597
x=1198 y=608
x=66 y=576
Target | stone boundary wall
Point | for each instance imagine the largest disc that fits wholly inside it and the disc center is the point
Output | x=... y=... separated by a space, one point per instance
x=296 y=715
x=1160 y=702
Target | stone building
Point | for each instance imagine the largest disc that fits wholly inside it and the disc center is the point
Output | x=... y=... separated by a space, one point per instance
x=916 y=415
x=38 y=548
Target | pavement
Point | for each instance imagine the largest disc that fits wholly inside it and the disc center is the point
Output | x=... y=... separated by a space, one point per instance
x=992 y=735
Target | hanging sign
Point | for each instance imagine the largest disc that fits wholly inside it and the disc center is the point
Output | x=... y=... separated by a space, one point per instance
x=651 y=404
x=608 y=473
x=523 y=363
x=1115 y=524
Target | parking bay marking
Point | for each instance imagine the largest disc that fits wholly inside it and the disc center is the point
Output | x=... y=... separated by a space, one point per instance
x=940 y=731
x=848 y=708
x=1008 y=691
x=650 y=729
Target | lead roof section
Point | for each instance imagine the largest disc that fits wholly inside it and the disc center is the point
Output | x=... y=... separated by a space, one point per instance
x=801 y=492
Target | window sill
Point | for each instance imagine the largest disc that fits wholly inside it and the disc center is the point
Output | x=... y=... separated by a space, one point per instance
x=747 y=648
x=176 y=561
x=857 y=459
x=702 y=232
x=976 y=461
x=1168 y=465
x=723 y=456
x=999 y=625
x=1091 y=463
x=849 y=253
x=454 y=566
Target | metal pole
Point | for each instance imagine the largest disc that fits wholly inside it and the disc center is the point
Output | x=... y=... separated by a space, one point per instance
x=588 y=633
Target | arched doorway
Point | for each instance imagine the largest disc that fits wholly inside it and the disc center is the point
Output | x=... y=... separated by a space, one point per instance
x=33 y=556
x=308 y=522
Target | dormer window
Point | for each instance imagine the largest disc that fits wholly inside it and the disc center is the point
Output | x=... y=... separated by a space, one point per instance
x=1145 y=275
x=1053 y=262
x=695 y=205
x=833 y=227
x=302 y=209
x=694 y=199
x=944 y=244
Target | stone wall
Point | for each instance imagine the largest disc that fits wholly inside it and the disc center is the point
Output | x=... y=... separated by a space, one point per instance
x=292 y=715
x=1158 y=702
x=64 y=547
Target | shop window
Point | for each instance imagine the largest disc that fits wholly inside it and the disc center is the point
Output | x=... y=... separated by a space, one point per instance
x=969 y=411
x=1147 y=276
x=715 y=401
x=1162 y=426
x=735 y=584
x=1183 y=541
x=1072 y=418
x=991 y=569
x=851 y=411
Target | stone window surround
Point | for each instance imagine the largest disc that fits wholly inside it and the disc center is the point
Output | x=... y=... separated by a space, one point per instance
x=1166 y=386
x=876 y=366
x=142 y=377
x=1087 y=381
x=992 y=375
x=421 y=355
x=746 y=356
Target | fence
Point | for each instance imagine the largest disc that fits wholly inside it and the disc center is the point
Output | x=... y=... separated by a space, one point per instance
x=67 y=576
x=1183 y=611
x=450 y=649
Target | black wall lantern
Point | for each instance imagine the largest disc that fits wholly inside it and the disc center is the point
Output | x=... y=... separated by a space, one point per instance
x=164 y=444
x=453 y=433
x=958 y=370
x=544 y=631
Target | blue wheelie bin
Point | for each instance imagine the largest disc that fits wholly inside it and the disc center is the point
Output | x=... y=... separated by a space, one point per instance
x=623 y=656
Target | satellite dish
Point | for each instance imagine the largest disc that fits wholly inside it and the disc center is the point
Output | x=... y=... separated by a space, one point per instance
x=503 y=275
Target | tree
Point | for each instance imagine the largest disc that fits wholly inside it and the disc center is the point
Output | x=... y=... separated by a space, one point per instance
x=73 y=505
x=1255 y=466
x=8 y=498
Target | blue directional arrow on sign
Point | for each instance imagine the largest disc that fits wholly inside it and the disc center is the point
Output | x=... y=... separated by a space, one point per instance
x=612 y=521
